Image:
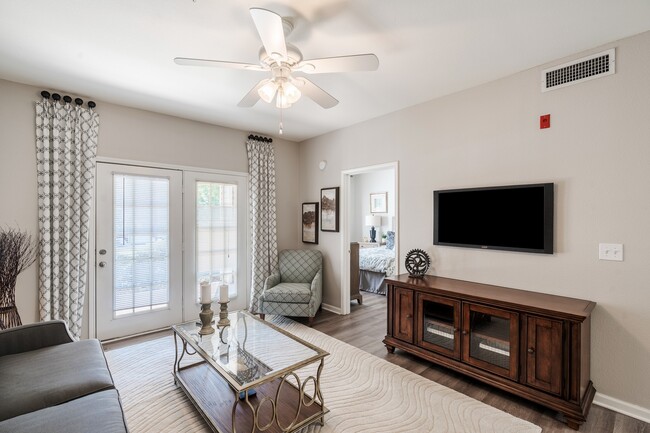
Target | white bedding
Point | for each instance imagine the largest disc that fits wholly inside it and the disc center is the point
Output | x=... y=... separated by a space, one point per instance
x=377 y=260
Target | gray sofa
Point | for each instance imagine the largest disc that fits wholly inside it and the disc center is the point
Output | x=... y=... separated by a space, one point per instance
x=51 y=383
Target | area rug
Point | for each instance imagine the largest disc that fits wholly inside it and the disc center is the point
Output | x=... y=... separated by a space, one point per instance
x=364 y=393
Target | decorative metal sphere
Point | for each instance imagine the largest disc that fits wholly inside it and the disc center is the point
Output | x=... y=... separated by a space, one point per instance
x=417 y=262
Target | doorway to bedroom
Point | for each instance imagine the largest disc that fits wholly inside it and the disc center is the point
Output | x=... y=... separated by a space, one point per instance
x=370 y=251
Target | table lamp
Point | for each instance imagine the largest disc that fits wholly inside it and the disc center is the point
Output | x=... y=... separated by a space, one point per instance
x=372 y=221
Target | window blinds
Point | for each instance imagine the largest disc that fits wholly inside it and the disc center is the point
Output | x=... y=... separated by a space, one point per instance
x=140 y=243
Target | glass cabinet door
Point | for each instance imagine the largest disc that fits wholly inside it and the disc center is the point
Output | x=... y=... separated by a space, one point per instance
x=491 y=339
x=438 y=324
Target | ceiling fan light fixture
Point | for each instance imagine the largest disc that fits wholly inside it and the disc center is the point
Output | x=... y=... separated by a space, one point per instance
x=267 y=91
x=281 y=101
x=291 y=93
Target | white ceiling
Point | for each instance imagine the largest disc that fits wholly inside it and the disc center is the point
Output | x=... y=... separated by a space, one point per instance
x=121 y=51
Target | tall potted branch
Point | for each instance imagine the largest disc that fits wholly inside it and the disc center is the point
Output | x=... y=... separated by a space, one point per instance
x=17 y=252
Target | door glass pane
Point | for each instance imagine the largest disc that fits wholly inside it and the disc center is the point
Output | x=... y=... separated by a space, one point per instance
x=141 y=244
x=439 y=324
x=216 y=236
x=490 y=339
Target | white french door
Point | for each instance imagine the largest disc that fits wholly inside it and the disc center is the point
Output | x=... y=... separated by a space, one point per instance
x=215 y=238
x=138 y=249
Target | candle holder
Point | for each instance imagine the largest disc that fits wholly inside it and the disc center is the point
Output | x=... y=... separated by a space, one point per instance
x=223 y=314
x=206 y=315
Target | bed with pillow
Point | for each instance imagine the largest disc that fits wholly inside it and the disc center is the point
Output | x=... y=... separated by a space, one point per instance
x=375 y=264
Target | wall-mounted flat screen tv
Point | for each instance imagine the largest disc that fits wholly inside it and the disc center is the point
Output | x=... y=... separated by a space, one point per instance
x=512 y=218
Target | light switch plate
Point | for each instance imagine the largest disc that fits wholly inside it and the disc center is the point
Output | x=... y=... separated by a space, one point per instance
x=610 y=252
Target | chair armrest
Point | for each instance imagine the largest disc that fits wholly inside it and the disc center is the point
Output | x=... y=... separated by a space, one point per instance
x=317 y=282
x=316 y=291
x=34 y=336
x=272 y=281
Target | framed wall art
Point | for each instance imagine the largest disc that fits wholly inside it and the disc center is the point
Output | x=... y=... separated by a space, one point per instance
x=379 y=202
x=329 y=209
x=310 y=223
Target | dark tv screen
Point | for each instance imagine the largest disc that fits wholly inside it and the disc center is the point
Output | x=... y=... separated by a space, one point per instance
x=514 y=218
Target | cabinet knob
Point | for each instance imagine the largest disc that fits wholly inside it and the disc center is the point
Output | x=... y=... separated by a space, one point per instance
x=408 y=316
x=464 y=332
x=531 y=350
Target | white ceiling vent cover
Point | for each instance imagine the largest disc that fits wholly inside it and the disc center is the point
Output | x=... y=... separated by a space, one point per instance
x=577 y=71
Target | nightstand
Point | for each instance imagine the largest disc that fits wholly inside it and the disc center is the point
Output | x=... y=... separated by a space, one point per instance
x=368 y=244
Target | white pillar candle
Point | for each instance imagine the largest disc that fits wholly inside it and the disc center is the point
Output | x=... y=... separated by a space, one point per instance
x=223 y=293
x=206 y=292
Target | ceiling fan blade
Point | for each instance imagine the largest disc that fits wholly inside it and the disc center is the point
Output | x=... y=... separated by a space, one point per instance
x=357 y=62
x=252 y=96
x=320 y=96
x=269 y=26
x=184 y=61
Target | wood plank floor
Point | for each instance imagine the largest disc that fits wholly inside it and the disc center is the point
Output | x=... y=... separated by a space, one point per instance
x=365 y=328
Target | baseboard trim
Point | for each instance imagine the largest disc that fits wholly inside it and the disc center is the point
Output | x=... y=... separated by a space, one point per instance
x=139 y=334
x=331 y=308
x=620 y=406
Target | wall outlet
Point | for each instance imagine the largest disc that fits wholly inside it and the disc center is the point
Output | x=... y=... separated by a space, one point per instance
x=610 y=252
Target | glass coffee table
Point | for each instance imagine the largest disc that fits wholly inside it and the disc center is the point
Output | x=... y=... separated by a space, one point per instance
x=247 y=379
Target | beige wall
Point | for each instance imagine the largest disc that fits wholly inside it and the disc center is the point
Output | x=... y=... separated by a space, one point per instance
x=596 y=152
x=126 y=133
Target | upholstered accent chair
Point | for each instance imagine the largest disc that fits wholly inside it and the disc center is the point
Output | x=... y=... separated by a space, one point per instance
x=297 y=290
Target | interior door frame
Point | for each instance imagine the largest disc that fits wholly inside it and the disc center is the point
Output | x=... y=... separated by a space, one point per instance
x=91 y=306
x=345 y=198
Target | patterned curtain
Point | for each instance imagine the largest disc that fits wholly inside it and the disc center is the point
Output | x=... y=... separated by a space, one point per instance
x=66 y=146
x=261 y=197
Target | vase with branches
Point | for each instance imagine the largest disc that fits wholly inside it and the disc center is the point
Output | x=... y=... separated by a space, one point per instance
x=17 y=252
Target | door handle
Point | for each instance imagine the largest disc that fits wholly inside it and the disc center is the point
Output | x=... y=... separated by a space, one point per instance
x=102 y=252
x=102 y=264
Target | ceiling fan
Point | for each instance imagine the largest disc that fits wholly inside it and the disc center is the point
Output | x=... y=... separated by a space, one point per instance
x=281 y=60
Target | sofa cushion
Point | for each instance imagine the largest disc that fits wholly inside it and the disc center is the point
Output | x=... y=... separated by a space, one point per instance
x=290 y=293
x=37 y=379
x=98 y=413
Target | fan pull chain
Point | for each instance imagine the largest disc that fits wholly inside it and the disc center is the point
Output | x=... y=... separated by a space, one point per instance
x=280 y=119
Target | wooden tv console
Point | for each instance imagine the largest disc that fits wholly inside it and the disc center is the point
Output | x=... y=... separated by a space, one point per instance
x=533 y=345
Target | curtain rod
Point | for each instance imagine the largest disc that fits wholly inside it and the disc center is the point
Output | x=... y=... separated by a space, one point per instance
x=45 y=94
x=260 y=138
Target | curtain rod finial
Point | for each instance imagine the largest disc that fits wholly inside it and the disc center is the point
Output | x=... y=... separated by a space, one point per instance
x=260 y=138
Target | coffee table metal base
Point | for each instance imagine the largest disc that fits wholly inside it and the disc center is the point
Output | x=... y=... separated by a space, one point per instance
x=281 y=405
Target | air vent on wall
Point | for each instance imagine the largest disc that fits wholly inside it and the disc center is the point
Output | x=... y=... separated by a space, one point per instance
x=577 y=71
